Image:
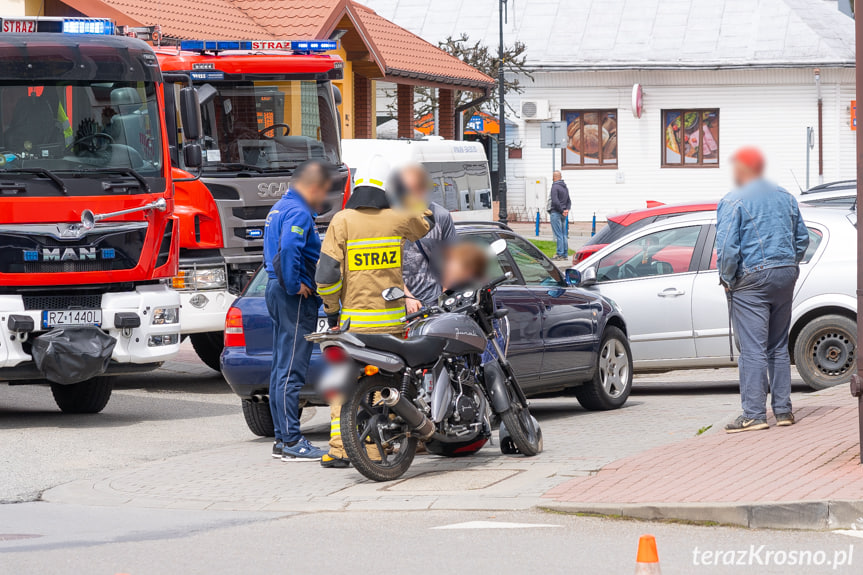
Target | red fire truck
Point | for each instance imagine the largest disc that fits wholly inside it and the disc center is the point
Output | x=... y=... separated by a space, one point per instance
x=87 y=224
x=266 y=107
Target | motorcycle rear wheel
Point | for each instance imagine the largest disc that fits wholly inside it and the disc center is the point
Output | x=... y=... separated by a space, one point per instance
x=360 y=419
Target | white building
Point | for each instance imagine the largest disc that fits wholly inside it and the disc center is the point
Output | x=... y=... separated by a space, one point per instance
x=738 y=72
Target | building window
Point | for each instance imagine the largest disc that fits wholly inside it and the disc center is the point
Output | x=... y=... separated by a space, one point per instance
x=591 y=139
x=690 y=138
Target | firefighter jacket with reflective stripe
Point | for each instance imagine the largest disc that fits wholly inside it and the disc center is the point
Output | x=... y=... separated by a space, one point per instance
x=361 y=257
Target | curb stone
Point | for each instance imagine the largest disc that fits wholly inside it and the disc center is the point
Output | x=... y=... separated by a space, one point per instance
x=802 y=515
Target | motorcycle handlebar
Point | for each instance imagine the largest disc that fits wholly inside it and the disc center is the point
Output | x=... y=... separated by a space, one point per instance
x=502 y=279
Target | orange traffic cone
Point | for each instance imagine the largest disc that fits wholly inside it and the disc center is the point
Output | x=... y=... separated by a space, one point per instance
x=647 y=562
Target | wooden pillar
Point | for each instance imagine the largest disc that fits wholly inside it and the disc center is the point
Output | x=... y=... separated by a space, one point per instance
x=446 y=114
x=405 y=100
x=364 y=113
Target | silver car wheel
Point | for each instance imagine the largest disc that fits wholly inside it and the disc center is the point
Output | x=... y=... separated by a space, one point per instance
x=614 y=368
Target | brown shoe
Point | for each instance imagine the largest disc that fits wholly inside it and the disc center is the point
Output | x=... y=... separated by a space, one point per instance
x=785 y=419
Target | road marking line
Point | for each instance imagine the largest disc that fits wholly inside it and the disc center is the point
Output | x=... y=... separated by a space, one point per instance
x=493 y=525
x=850 y=533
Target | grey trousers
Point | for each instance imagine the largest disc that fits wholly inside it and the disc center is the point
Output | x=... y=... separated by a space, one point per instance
x=761 y=311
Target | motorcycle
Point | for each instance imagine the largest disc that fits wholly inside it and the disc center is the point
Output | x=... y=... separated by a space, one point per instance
x=430 y=387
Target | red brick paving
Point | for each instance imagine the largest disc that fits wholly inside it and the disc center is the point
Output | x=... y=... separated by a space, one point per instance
x=814 y=460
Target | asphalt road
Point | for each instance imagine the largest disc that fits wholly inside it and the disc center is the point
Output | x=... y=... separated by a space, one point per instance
x=155 y=542
x=185 y=410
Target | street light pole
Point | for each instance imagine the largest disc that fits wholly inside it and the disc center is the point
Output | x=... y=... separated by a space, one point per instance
x=857 y=378
x=501 y=142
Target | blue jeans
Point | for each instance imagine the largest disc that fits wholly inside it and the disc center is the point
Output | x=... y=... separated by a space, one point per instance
x=293 y=317
x=558 y=228
x=761 y=311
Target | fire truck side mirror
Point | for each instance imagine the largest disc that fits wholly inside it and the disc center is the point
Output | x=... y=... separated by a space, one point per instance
x=190 y=114
x=192 y=156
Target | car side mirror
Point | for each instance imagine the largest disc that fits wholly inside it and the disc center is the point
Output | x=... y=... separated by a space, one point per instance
x=573 y=277
x=497 y=247
x=588 y=277
x=193 y=156
x=393 y=294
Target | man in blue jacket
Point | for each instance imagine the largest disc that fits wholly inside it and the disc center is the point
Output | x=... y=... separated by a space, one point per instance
x=292 y=247
x=760 y=240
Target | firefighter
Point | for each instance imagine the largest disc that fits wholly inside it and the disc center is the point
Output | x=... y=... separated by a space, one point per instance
x=361 y=256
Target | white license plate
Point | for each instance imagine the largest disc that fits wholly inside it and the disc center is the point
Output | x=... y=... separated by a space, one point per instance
x=52 y=318
x=322 y=325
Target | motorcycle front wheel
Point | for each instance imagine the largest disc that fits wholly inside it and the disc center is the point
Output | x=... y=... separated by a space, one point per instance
x=375 y=439
x=521 y=426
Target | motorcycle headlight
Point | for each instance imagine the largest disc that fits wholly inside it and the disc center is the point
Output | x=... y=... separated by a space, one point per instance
x=165 y=315
x=201 y=279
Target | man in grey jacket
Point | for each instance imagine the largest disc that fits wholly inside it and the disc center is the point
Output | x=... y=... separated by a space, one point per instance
x=422 y=259
x=760 y=240
x=559 y=211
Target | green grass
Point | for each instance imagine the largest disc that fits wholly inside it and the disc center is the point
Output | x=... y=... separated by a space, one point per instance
x=548 y=247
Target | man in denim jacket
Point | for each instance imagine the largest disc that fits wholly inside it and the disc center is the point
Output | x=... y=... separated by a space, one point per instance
x=760 y=239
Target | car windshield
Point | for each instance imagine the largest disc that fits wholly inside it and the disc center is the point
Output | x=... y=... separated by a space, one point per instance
x=269 y=125
x=80 y=127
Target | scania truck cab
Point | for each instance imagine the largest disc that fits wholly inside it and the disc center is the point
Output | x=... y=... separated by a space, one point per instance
x=86 y=209
x=266 y=107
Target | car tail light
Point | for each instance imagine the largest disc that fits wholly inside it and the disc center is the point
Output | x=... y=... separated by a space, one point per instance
x=347 y=195
x=234 y=336
x=585 y=252
x=334 y=354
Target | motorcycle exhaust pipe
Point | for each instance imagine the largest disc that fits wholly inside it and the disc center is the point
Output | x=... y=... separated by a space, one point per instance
x=422 y=425
x=259 y=399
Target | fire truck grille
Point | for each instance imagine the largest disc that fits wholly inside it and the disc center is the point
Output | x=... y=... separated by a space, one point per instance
x=55 y=267
x=71 y=301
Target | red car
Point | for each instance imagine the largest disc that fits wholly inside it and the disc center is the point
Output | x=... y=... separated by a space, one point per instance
x=621 y=224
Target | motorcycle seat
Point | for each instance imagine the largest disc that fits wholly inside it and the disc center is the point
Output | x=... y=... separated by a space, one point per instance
x=422 y=350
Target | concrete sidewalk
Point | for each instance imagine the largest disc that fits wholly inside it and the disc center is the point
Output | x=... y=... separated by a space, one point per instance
x=807 y=476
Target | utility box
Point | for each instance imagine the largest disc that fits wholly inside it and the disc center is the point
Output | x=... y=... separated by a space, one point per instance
x=536 y=195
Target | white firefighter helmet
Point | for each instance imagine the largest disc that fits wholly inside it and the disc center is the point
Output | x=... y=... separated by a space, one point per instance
x=375 y=174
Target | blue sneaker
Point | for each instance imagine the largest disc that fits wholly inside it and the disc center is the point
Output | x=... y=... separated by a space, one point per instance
x=302 y=450
x=277 y=449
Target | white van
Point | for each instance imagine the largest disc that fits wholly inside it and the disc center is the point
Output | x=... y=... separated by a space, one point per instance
x=459 y=170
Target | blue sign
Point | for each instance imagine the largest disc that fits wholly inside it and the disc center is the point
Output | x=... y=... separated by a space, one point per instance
x=212 y=75
x=476 y=124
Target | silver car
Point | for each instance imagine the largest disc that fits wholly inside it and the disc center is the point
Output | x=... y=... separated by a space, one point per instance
x=664 y=279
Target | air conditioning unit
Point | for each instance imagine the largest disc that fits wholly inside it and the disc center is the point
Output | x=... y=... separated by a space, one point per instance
x=535 y=110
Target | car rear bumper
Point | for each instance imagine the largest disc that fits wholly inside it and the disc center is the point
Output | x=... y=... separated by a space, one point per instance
x=249 y=375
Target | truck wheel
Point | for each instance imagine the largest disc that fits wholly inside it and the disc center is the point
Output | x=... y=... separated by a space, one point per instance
x=612 y=382
x=209 y=346
x=826 y=351
x=90 y=396
x=258 y=418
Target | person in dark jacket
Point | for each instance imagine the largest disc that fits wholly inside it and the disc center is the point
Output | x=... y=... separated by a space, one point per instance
x=292 y=248
x=560 y=205
x=760 y=240
x=423 y=259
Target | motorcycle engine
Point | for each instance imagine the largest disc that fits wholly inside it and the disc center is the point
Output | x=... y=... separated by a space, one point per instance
x=465 y=408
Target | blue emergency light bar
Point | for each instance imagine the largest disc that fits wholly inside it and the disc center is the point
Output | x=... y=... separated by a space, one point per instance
x=304 y=46
x=91 y=26
x=99 y=26
x=314 y=45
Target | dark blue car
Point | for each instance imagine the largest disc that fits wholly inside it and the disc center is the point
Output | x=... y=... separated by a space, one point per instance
x=559 y=337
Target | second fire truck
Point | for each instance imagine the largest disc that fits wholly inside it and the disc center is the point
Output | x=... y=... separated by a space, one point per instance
x=266 y=107
x=87 y=224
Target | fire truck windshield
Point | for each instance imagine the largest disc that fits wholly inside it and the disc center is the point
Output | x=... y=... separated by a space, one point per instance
x=80 y=127
x=268 y=125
